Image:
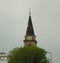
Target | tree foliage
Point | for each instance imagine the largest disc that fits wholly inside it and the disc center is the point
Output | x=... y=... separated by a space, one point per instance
x=28 y=54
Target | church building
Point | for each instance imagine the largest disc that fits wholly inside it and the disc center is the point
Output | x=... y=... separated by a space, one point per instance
x=30 y=38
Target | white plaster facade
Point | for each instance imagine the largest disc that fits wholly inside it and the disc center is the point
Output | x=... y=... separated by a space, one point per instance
x=3 y=61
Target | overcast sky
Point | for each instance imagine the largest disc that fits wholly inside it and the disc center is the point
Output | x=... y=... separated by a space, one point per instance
x=46 y=21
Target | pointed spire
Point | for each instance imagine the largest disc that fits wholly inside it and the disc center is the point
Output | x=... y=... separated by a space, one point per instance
x=30 y=30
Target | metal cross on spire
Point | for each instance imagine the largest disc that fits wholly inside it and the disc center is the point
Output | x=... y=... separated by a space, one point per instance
x=29 y=11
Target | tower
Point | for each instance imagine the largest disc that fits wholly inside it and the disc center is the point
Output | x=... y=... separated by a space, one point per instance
x=30 y=38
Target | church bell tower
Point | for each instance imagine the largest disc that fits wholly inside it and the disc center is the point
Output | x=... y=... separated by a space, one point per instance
x=30 y=38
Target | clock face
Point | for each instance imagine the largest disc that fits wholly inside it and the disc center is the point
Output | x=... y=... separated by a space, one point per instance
x=29 y=37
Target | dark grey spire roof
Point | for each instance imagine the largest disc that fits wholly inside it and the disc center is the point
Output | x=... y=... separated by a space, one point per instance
x=30 y=30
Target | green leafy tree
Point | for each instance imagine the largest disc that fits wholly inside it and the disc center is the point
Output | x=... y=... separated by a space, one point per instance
x=28 y=54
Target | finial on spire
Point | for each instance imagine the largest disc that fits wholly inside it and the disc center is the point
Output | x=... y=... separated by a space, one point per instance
x=29 y=11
